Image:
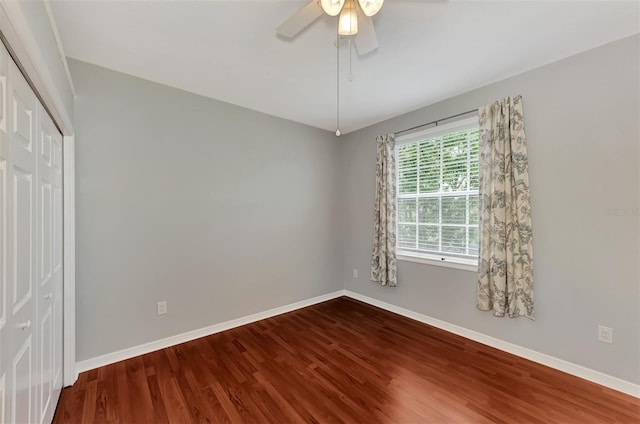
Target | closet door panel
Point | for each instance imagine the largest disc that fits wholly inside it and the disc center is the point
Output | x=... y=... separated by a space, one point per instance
x=30 y=253
x=23 y=393
x=50 y=272
x=22 y=240
x=22 y=322
x=6 y=268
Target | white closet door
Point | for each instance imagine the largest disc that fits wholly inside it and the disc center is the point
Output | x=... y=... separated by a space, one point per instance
x=5 y=255
x=30 y=253
x=19 y=338
x=49 y=380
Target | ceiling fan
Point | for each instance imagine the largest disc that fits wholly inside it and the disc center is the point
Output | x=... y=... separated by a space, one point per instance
x=354 y=20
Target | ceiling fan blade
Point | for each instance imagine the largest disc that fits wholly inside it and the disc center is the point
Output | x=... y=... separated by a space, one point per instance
x=299 y=21
x=366 y=39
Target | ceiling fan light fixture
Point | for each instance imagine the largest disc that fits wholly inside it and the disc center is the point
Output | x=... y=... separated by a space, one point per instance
x=370 y=7
x=348 y=21
x=332 y=7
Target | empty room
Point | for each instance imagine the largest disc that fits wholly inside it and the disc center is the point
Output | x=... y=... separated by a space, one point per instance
x=319 y=211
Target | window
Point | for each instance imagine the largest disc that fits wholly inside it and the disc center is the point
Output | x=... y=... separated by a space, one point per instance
x=437 y=193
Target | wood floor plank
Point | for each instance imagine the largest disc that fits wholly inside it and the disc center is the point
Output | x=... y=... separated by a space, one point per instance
x=340 y=361
x=89 y=406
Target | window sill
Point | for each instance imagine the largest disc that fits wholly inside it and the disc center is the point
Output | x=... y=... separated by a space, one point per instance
x=448 y=262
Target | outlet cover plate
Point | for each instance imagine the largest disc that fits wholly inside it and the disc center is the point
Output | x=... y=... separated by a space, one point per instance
x=605 y=334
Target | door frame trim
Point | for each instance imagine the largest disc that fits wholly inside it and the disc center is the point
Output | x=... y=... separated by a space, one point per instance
x=69 y=368
x=16 y=31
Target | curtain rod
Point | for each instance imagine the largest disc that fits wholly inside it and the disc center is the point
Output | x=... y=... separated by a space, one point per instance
x=436 y=121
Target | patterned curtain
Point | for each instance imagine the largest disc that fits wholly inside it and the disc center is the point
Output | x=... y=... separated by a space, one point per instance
x=505 y=266
x=383 y=259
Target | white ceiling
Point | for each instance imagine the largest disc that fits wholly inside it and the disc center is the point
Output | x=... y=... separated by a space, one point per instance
x=429 y=50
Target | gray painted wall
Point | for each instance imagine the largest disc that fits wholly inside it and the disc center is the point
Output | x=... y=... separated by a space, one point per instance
x=219 y=210
x=582 y=125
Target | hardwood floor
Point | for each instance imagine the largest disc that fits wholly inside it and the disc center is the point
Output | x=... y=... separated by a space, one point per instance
x=338 y=361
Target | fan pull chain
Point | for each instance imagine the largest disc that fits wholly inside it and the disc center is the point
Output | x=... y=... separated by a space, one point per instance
x=338 y=85
x=350 y=76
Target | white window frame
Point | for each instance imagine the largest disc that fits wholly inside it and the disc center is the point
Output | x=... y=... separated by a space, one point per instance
x=449 y=261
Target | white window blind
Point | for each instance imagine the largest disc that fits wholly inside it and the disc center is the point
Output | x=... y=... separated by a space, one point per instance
x=437 y=186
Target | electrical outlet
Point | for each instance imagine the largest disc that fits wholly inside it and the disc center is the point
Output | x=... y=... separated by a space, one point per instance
x=161 y=308
x=605 y=334
x=355 y=273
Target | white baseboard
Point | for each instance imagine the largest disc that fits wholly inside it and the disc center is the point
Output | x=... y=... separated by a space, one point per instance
x=134 y=351
x=541 y=358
